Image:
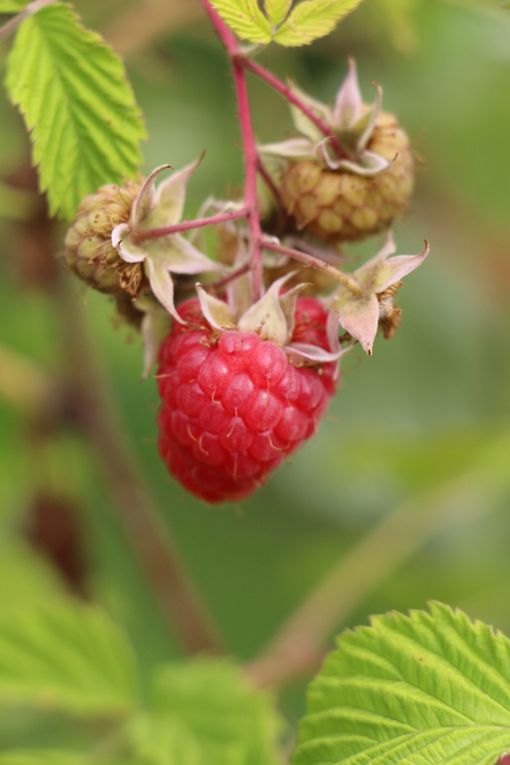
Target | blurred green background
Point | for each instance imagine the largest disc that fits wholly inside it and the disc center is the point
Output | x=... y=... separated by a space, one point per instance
x=426 y=420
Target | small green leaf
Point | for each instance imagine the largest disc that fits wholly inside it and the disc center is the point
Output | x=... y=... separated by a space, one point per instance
x=245 y=18
x=66 y=656
x=312 y=19
x=277 y=10
x=208 y=713
x=431 y=687
x=72 y=91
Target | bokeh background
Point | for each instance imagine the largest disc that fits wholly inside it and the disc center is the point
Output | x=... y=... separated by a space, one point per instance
x=422 y=428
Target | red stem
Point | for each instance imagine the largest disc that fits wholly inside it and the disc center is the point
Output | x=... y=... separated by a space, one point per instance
x=312 y=262
x=231 y=46
x=143 y=234
x=289 y=95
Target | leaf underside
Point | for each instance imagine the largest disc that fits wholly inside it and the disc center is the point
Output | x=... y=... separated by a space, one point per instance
x=73 y=93
x=431 y=687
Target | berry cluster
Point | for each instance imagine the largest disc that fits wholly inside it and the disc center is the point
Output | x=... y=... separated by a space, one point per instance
x=247 y=368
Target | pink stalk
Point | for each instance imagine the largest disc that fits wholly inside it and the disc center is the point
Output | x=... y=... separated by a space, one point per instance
x=231 y=46
x=289 y=95
x=312 y=262
x=143 y=234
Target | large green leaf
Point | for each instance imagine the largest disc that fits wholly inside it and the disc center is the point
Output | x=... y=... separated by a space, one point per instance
x=431 y=687
x=73 y=93
x=66 y=656
x=312 y=19
x=208 y=713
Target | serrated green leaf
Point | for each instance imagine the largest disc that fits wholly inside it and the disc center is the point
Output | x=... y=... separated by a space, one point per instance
x=312 y=19
x=245 y=18
x=72 y=91
x=277 y=10
x=207 y=711
x=431 y=687
x=65 y=656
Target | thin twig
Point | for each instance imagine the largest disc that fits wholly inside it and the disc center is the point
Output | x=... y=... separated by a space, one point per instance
x=144 y=234
x=312 y=262
x=152 y=544
x=291 y=96
x=302 y=640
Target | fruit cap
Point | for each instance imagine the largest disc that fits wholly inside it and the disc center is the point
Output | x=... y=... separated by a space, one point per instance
x=162 y=207
x=350 y=120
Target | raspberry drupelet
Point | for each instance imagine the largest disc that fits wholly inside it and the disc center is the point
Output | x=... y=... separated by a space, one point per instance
x=233 y=405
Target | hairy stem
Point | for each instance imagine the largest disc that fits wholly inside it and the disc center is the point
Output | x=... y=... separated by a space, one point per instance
x=312 y=262
x=291 y=96
x=145 y=234
x=231 y=46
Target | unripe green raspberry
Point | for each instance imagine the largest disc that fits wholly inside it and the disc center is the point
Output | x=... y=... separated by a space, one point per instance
x=89 y=252
x=339 y=205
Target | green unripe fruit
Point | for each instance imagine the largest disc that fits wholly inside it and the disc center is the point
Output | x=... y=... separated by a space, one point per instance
x=339 y=205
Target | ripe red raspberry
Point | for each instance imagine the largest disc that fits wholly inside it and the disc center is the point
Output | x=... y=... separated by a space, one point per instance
x=233 y=405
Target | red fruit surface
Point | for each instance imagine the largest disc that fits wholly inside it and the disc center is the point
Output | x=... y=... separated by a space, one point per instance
x=233 y=406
